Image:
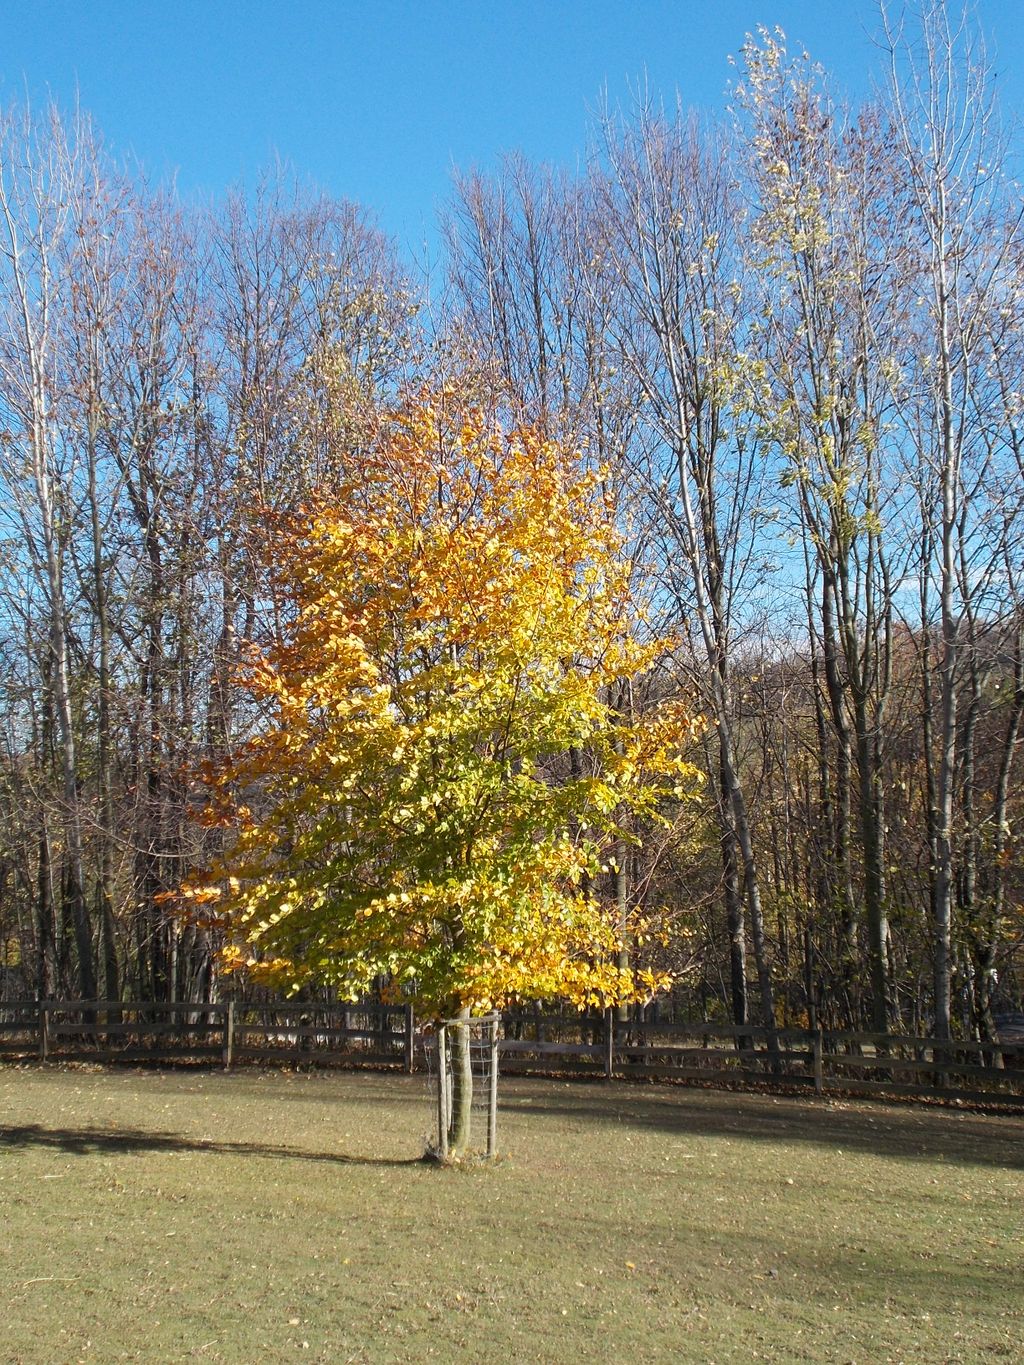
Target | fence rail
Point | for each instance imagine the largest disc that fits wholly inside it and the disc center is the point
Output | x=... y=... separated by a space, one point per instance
x=368 y=1034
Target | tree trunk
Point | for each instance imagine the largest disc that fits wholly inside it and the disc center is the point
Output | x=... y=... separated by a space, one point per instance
x=734 y=921
x=460 y=1127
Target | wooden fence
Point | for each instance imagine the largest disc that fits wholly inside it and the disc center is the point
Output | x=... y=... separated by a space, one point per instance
x=161 y=1031
x=820 y=1062
x=534 y=1043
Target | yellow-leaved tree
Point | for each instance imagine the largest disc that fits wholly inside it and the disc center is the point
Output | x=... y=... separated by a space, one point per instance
x=440 y=775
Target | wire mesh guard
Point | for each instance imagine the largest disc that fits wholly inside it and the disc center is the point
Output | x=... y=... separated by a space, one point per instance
x=462 y=1080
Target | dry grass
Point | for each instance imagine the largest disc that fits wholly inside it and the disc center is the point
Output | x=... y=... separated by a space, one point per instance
x=168 y=1216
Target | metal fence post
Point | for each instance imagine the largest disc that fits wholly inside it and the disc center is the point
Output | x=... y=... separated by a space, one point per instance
x=442 y=1091
x=492 y=1099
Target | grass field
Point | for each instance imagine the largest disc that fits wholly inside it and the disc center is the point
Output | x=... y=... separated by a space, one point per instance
x=259 y=1217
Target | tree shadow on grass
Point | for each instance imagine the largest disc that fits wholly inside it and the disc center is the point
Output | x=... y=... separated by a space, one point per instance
x=914 y=1132
x=89 y=1141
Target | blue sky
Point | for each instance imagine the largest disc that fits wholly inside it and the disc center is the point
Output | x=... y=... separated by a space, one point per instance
x=378 y=100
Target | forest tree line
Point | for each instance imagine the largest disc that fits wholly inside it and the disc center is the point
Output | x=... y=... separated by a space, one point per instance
x=793 y=336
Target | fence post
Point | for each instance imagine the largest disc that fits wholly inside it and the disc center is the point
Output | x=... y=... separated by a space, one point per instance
x=819 y=1073
x=410 y=1054
x=492 y=1099
x=774 y=1060
x=229 y=1035
x=442 y=1091
x=609 y=1044
x=44 y=1031
x=940 y=1059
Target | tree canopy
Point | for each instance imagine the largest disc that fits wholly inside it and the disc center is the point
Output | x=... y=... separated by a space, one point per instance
x=442 y=773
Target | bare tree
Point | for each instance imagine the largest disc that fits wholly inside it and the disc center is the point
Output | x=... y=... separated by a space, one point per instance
x=674 y=222
x=40 y=163
x=948 y=156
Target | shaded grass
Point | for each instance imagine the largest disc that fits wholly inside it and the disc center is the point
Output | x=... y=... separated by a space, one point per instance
x=260 y=1216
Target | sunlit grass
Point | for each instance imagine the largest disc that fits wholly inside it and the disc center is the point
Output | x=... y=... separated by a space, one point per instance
x=253 y=1217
